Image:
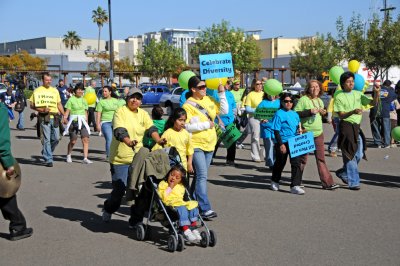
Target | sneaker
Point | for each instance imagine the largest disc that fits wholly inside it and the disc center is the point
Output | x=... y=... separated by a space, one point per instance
x=106 y=216
x=209 y=214
x=86 y=161
x=339 y=175
x=386 y=147
x=189 y=236
x=69 y=159
x=393 y=145
x=297 y=190
x=274 y=186
x=196 y=234
x=240 y=146
x=332 y=187
x=17 y=235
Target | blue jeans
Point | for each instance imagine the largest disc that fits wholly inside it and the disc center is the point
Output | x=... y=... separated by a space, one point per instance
x=201 y=162
x=386 y=130
x=51 y=136
x=119 y=176
x=107 y=130
x=269 y=152
x=186 y=217
x=20 y=124
x=332 y=146
x=350 y=167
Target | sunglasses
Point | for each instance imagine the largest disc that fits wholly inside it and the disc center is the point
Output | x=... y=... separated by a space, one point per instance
x=201 y=87
x=287 y=101
x=258 y=84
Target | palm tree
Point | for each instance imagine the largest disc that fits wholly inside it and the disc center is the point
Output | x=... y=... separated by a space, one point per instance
x=71 y=39
x=99 y=16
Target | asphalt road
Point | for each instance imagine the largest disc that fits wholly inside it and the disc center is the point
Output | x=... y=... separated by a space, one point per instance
x=255 y=226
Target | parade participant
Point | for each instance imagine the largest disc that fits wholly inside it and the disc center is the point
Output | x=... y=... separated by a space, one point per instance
x=286 y=124
x=177 y=136
x=8 y=206
x=201 y=112
x=129 y=126
x=172 y=192
x=351 y=141
x=77 y=111
x=105 y=109
x=20 y=104
x=311 y=109
x=9 y=100
x=333 y=119
x=46 y=101
x=267 y=134
x=156 y=115
x=63 y=90
x=253 y=99
x=91 y=115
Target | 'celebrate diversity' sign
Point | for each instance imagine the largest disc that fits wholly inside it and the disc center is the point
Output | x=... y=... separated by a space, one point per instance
x=216 y=66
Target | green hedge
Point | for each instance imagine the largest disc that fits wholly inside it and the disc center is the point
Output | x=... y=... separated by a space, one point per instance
x=28 y=93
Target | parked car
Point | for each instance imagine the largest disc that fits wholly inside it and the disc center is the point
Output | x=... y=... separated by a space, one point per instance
x=171 y=101
x=152 y=94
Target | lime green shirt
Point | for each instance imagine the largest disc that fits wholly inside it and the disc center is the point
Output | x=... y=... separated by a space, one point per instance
x=107 y=108
x=237 y=95
x=312 y=123
x=348 y=101
x=76 y=106
x=90 y=90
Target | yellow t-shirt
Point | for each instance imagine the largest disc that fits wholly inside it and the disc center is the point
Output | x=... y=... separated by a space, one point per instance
x=254 y=98
x=46 y=97
x=181 y=141
x=205 y=139
x=136 y=124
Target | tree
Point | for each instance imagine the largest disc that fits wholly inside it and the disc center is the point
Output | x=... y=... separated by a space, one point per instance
x=352 y=40
x=125 y=64
x=99 y=16
x=221 y=38
x=160 y=60
x=22 y=61
x=101 y=62
x=315 y=56
x=72 y=40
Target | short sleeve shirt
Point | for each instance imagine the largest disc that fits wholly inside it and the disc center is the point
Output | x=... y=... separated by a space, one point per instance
x=312 y=123
x=348 y=101
x=286 y=122
x=46 y=97
x=107 y=108
x=77 y=106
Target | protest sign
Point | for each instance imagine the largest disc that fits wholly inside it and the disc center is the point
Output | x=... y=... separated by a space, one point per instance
x=301 y=144
x=216 y=66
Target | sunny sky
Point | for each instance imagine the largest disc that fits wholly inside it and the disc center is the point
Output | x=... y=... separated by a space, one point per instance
x=26 y=19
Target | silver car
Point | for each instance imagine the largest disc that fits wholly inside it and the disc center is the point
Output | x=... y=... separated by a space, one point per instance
x=170 y=101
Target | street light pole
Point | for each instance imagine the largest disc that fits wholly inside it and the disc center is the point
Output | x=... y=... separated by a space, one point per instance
x=111 y=44
x=274 y=53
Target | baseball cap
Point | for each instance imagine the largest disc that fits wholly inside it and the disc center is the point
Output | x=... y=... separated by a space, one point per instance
x=134 y=91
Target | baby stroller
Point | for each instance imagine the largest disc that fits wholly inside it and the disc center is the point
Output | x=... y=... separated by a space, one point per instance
x=168 y=217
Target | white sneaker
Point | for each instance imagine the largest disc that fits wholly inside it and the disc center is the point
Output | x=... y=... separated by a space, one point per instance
x=297 y=190
x=197 y=234
x=69 y=159
x=189 y=236
x=274 y=186
x=86 y=161
x=106 y=216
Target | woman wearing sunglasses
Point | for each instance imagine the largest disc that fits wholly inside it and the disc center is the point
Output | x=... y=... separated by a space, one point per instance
x=311 y=109
x=201 y=112
x=286 y=124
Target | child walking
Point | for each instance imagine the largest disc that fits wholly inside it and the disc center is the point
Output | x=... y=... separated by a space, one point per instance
x=177 y=136
x=172 y=191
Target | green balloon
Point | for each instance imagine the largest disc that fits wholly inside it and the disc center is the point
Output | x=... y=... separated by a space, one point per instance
x=335 y=73
x=273 y=87
x=184 y=77
x=396 y=133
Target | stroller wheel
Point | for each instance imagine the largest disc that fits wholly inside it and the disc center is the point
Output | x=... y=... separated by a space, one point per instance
x=213 y=239
x=204 y=242
x=172 y=243
x=140 y=232
x=181 y=243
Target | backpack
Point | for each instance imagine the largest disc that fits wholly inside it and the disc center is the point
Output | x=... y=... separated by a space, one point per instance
x=20 y=101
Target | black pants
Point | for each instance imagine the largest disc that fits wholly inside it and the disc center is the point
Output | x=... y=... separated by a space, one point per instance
x=10 y=211
x=231 y=151
x=279 y=165
x=91 y=118
x=142 y=203
x=113 y=203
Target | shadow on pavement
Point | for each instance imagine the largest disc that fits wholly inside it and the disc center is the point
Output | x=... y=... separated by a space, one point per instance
x=380 y=180
x=36 y=160
x=26 y=137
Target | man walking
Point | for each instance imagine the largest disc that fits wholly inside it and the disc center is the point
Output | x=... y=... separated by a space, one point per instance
x=47 y=102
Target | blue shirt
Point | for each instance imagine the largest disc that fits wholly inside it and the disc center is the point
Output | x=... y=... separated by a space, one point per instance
x=287 y=123
x=63 y=94
x=229 y=118
x=266 y=128
x=387 y=97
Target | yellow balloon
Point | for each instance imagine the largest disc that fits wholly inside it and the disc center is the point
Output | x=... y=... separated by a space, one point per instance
x=354 y=65
x=90 y=98
x=214 y=83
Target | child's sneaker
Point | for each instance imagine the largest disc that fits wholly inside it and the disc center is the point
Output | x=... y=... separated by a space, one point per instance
x=69 y=159
x=297 y=190
x=189 y=236
x=197 y=234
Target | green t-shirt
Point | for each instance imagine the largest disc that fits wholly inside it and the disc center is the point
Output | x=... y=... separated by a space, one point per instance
x=348 y=101
x=237 y=95
x=90 y=90
x=107 y=108
x=147 y=140
x=76 y=106
x=312 y=123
